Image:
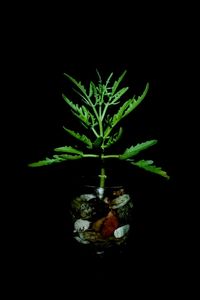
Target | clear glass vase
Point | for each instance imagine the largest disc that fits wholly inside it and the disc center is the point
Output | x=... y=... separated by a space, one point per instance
x=101 y=217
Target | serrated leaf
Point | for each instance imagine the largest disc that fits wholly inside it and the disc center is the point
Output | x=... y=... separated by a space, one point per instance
x=41 y=163
x=119 y=94
x=68 y=149
x=70 y=102
x=134 y=150
x=80 y=112
x=96 y=93
x=128 y=107
x=101 y=91
x=84 y=98
x=114 y=138
x=148 y=166
x=83 y=138
x=117 y=82
x=135 y=102
x=119 y=115
x=91 y=90
x=55 y=159
x=78 y=84
x=68 y=156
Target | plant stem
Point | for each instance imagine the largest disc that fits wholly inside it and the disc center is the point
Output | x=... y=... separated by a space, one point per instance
x=96 y=134
x=91 y=155
x=104 y=111
x=111 y=156
x=102 y=177
x=100 y=122
x=102 y=155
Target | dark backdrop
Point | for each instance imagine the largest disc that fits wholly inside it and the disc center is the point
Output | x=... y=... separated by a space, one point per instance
x=38 y=218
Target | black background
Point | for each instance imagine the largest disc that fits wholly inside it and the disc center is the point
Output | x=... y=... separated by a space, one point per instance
x=41 y=253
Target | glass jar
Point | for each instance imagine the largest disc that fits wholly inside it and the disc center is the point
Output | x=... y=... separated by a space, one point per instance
x=101 y=217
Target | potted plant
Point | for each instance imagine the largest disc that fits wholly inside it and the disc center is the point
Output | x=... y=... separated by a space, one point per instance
x=101 y=214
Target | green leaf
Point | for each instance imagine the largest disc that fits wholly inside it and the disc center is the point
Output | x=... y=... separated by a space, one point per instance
x=91 y=90
x=135 y=102
x=114 y=138
x=116 y=84
x=80 y=112
x=68 y=157
x=134 y=150
x=41 y=163
x=70 y=103
x=128 y=107
x=109 y=78
x=100 y=80
x=68 y=149
x=83 y=138
x=78 y=84
x=55 y=159
x=148 y=166
x=119 y=115
x=118 y=95
x=102 y=91
x=96 y=93
x=84 y=98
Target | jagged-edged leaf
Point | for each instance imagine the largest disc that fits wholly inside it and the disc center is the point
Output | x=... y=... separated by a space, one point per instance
x=128 y=107
x=119 y=115
x=55 y=159
x=68 y=156
x=134 y=150
x=78 y=84
x=117 y=82
x=70 y=103
x=95 y=91
x=148 y=166
x=91 y=90
x=93 y=119
x=114 y=138
x=84 y=98
x=135 y=103
x=101 y=91
x=80 y=112
x=83 y=138
x=119 y=94
x=42 y=163
x=45 y=162
x=68 y=149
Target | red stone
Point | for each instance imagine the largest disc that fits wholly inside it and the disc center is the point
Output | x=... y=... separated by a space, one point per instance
x=110 y=224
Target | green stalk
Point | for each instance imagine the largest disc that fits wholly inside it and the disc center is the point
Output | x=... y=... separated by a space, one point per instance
x=96 y=134
x=111 y=156
x=102 y=156
x=100 y=122
x=102 y=178
x=102 y=175
x=104 y=111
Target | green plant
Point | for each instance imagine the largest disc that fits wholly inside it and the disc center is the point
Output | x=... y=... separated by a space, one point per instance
x=100 y=113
